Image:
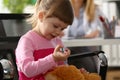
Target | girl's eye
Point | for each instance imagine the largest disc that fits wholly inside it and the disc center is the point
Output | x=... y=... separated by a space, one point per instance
x=62 y=29
x=55 y=26
x=59 y=27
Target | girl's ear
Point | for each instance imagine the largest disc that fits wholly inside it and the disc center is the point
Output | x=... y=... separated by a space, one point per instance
x=41 y=15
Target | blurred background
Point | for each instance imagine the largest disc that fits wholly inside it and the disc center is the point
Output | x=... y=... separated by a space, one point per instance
x=109 y=7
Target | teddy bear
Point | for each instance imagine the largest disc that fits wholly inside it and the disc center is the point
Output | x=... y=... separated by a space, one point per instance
x=70 y=72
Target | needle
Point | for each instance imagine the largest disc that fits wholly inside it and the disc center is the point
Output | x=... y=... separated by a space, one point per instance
x=62 y=50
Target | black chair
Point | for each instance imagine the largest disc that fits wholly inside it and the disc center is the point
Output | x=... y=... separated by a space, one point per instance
x=9 y=43
x=92 y=61
x=1 y=72
x=6 y=49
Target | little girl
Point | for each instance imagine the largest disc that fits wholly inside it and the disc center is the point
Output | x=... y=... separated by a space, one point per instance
x=38 y=50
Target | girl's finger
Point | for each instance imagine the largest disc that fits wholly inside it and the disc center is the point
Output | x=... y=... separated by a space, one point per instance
x=58 y=47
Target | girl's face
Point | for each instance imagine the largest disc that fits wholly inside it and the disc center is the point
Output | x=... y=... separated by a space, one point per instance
x=51 y=27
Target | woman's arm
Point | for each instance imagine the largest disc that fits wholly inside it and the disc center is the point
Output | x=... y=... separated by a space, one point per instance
x=92 y=34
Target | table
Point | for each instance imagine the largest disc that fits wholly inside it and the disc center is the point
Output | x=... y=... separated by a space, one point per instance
x=110 y=46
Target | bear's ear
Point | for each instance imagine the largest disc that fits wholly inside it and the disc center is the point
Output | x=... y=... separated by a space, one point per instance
x=50 y=76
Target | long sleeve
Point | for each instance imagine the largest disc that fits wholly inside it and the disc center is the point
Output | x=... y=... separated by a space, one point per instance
x=25 y=59
x=26 y=63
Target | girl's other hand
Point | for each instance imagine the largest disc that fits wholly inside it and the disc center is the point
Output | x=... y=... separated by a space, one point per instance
x=59 y=55
x=83 y=70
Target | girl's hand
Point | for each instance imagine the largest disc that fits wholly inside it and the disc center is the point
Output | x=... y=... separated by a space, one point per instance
x=83 y=70
x=59 y=55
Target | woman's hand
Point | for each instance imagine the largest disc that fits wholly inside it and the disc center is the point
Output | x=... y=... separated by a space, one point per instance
x=92 y=34
x=59 y=55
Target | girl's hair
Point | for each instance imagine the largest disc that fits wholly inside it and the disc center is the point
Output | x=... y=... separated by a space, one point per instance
x=89 y=9
x=59 y=8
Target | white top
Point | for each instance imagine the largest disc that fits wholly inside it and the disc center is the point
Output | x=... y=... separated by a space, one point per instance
x=81 y=26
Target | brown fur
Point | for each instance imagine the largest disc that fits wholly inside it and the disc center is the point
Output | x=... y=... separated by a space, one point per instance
x=70 y=73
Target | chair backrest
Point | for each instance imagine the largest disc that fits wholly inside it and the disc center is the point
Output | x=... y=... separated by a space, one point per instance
x=2 y=30
x=91 y=61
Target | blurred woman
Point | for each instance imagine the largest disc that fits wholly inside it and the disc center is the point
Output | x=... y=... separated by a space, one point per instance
x=86 y=24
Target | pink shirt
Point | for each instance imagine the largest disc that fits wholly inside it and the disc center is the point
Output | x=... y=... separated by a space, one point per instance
x=34 y=56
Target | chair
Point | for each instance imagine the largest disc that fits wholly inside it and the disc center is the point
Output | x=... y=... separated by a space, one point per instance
x=2 y=31
x=6 y=53
x=8 y=42
x=1 y=72
x=92 y=61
